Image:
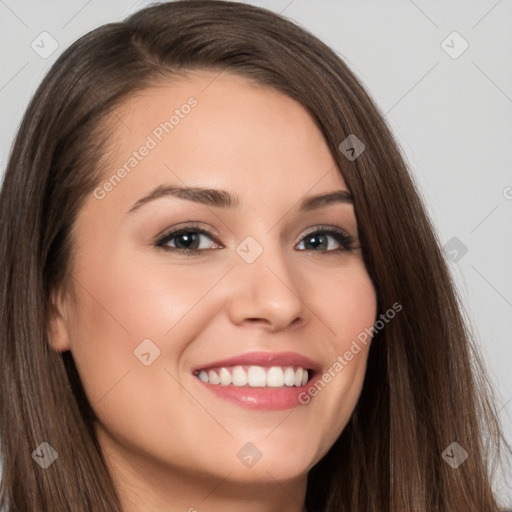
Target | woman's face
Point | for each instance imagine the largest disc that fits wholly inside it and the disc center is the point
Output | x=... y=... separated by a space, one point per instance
x=265 y=281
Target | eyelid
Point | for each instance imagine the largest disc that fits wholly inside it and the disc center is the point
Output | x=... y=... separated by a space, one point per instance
x=184 y=226
x=328 y=228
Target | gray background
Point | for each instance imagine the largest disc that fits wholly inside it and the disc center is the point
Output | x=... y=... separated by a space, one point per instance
x=451 y=116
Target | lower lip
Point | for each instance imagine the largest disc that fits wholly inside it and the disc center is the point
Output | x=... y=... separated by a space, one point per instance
x=266 y=399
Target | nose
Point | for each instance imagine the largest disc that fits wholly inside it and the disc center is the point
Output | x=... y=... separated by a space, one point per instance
x=264 y=292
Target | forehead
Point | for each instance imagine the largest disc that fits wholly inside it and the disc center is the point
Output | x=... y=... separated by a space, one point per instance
x=220 y=130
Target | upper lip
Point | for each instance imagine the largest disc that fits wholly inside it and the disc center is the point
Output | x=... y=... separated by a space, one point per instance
x=263 y=359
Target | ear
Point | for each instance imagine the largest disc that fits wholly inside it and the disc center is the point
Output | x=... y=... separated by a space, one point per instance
x=58 y=322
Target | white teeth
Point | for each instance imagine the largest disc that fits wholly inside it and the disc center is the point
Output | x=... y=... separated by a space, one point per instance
x=256 y=376
x=298 y=377
x=225 y=377
x=289 y=377
x=239 y=376
x=213 y=377
x=275 y=377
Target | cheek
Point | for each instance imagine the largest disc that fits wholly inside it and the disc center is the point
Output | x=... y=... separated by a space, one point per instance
x=345 y=301
x=124 y=301
x=349 y=308
x=353 y=310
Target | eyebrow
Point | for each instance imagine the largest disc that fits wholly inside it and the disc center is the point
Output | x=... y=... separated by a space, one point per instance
x=223 y=199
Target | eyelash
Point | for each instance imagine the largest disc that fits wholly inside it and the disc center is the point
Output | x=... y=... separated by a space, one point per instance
x=345 y=240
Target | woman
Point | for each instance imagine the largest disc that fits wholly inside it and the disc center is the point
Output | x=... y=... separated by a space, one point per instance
x=143 y=370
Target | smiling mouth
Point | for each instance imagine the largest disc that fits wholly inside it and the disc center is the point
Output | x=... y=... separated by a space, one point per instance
x=256 y=376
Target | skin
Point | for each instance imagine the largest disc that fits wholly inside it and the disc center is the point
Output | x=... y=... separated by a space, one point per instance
x=171 y=444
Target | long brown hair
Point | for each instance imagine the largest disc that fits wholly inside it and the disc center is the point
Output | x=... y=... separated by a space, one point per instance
x=425 y=386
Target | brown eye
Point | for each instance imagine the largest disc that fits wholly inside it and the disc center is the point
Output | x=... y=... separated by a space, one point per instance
x=319 y=240
x=185 y=240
